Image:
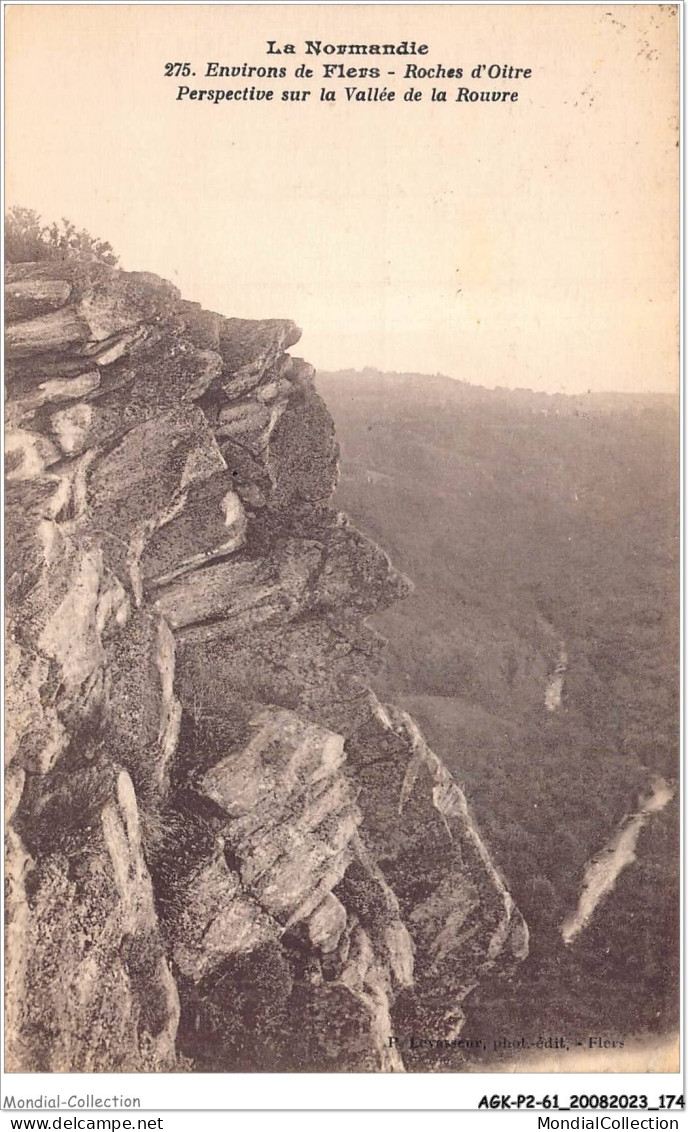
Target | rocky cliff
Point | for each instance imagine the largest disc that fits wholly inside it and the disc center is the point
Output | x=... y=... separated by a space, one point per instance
x=222 y=852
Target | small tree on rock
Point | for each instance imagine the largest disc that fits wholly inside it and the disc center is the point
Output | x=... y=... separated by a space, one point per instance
x=28 y=240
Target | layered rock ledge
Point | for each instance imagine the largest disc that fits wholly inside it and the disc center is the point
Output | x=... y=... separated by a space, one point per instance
x=222 y=852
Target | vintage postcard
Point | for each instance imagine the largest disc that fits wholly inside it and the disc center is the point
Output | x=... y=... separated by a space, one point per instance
x=341 y=539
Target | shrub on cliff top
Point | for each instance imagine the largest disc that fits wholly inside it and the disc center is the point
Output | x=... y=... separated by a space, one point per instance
x=28 y=240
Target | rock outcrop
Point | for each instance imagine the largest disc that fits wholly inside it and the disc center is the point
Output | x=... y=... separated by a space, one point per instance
x=222 y=852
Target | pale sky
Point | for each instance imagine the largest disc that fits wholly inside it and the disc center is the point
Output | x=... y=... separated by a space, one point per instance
x=522 y=244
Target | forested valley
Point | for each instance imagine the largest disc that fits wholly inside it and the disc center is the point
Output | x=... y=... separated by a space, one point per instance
x=541 y=533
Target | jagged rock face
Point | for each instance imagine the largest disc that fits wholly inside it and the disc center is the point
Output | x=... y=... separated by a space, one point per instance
x=222 y=852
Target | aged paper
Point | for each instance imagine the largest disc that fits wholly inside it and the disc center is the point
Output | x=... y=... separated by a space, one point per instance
x=342 y=690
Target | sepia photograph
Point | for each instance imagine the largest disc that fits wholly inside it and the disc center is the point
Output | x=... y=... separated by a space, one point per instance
x=342 y=512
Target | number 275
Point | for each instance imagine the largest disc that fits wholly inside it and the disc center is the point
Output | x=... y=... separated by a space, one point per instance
x=177 y=69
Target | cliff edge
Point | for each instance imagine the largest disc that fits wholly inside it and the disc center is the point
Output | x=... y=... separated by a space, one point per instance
x=222 y=852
